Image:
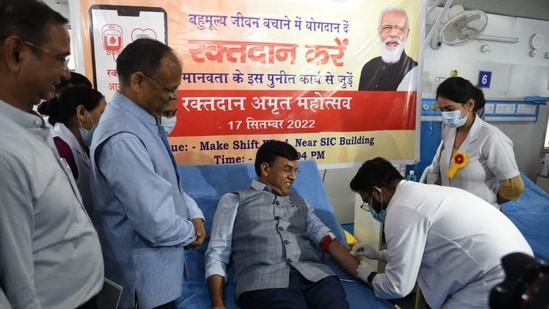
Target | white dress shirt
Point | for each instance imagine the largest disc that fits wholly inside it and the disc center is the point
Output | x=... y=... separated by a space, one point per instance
x=450 y=241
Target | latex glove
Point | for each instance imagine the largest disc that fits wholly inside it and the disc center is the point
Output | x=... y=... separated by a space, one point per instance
x=367 y=251
x=363 y=271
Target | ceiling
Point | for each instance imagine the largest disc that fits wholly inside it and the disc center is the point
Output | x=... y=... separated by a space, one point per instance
x=532 y=9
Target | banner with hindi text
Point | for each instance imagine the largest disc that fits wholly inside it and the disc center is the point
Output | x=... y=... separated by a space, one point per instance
x=259 y=70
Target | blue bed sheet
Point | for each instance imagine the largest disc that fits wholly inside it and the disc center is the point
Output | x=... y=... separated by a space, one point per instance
x=530 y=213
x=207 y=183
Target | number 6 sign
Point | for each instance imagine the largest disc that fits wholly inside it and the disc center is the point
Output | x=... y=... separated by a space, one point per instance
x=484 y=78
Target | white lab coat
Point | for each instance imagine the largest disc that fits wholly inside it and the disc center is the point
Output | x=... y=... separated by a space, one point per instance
x=81 y=159
x=450 y=241
x=491 y=158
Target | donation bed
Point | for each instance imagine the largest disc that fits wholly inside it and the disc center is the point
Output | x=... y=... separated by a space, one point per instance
x=207 y=183
x=530 y=213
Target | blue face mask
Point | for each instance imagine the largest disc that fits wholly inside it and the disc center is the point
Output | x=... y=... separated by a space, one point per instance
x=168 y=123
x=378 y=216
x=86 y=134
x=453 y=119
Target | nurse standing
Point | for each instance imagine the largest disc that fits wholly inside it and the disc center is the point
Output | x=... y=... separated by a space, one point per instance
x=74 y=116
x=474 y=155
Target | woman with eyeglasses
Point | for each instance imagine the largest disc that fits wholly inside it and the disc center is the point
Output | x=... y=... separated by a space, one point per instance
x=74 y=116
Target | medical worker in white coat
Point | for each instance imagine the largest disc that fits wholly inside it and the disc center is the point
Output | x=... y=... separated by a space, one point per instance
x=473 y=155
x=448 y=240
x=74 y=115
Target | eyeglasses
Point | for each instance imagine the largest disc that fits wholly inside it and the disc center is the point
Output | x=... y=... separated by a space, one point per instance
x=63 y=59
x=389 y=28
x=171 y=91
x=365 y=205
x=287 y=170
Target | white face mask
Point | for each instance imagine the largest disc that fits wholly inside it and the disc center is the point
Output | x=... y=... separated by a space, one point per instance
x=453 y=119
x=168 y=123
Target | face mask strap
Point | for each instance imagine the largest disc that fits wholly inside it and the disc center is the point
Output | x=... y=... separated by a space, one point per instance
x=380 y=198
x=89 y=116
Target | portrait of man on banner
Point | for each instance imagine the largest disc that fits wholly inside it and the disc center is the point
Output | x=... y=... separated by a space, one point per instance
x=394 y=69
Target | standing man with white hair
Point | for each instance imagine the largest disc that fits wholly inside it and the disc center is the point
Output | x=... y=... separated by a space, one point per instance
x=394 y=69
x=143 y=217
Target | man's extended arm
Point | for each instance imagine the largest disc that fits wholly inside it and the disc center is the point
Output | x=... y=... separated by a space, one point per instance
x=218 y=253
x=343 y=257
x=339 y=253
x=216 y=284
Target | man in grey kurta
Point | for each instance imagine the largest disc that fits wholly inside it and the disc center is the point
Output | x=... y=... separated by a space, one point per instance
x=269 y=233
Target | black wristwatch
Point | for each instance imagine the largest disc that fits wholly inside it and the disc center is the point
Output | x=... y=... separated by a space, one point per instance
x=371 y=277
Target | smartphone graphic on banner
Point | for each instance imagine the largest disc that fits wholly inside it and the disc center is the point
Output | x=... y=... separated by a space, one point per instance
x=112 y=27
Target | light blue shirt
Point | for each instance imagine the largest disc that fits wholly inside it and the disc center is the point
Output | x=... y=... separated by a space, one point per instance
x=153 y=211
x=142 y=215
x=50 y=254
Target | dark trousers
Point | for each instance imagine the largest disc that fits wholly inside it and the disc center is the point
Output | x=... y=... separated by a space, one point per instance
x=170 y=305
x=90 y=304
x=327 y=293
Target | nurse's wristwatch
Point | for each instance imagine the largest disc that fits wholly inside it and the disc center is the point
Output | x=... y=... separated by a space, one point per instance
x=371 y=277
